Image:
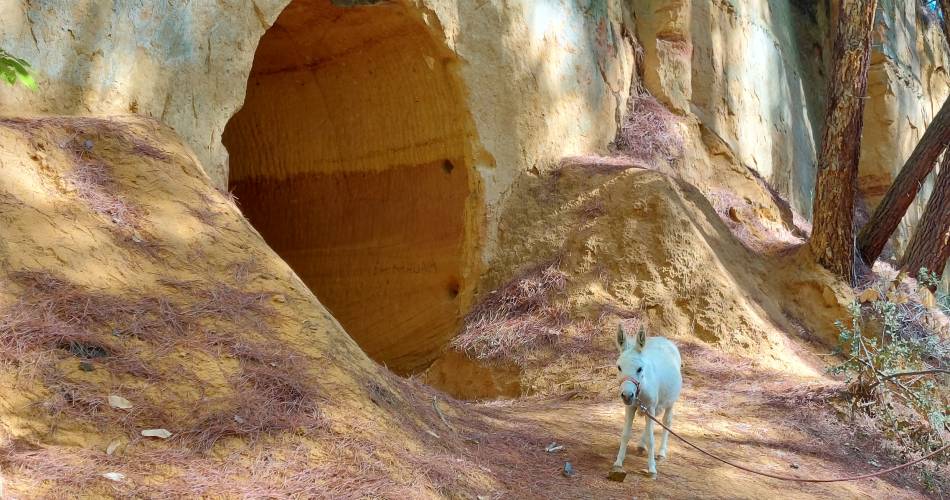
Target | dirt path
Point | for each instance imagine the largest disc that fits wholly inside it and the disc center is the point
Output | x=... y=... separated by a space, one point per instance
x=764 y=419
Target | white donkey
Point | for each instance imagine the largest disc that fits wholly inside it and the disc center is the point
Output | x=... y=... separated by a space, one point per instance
x=649 y=376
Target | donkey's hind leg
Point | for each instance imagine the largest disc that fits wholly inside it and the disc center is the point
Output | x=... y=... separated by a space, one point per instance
x=667 y=421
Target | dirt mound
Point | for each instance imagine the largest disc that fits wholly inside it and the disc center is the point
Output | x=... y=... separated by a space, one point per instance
x=620 y=241
x=124 y=274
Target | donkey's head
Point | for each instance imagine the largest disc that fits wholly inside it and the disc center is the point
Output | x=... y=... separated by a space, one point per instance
x=631 y=364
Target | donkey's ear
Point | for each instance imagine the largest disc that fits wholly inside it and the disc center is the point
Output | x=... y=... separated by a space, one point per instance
x=621 y=338
x=641 y=339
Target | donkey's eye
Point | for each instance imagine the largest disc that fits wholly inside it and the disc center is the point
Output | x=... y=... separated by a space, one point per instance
x=639 y=370
x=618 y=368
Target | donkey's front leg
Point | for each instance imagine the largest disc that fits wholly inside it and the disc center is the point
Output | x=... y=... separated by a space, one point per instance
x=648 y=434
x=631 y=411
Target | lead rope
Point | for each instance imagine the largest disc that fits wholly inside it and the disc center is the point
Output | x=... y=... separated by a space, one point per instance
x=789 y=478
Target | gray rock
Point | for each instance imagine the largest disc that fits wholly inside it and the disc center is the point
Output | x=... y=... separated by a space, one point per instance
x=568 y=470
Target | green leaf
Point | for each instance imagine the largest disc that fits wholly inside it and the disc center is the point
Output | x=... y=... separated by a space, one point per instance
x=14 y=69
x=15 y=64
x=27 y=80
x=8 y=74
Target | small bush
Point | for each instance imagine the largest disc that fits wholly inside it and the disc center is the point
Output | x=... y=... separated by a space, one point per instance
x=896 y=367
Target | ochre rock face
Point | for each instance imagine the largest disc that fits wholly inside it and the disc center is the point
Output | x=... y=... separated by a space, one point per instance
x=753 y=75
x=411 y=119
x=907 y=84
x=370 y=143
x=387 y=135
x=540 y=80
x=357 y=157
x=751 y=72
x=350 y=157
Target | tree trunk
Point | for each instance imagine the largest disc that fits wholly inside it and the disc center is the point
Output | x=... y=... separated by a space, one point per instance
x=901 y=194
x=930 y=245
x=832 y=239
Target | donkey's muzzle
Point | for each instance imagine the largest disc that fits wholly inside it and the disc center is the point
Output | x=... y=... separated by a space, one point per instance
x=627 y=397
x=629 y=390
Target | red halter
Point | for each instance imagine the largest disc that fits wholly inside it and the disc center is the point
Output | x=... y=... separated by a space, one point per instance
x=628 y=378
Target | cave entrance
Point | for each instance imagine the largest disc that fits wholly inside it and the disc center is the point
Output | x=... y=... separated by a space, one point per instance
x=351 y=158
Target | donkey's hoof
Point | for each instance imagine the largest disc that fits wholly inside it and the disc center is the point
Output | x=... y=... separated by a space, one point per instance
x=660 y=456
x=617 y=474
x=651 y=475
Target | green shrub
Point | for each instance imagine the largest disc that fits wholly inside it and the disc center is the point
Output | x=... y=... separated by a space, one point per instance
x=896 y=365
